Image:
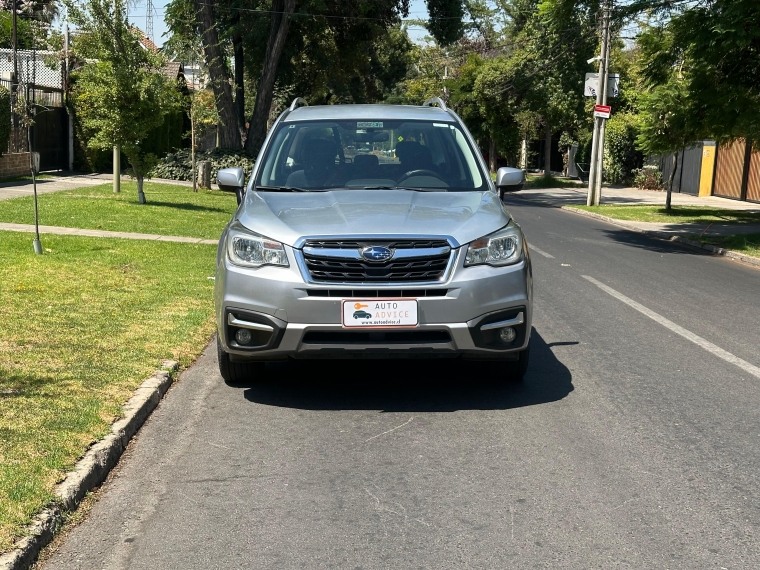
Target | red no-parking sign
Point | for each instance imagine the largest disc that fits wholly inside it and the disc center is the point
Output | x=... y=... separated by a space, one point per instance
x=602 y=111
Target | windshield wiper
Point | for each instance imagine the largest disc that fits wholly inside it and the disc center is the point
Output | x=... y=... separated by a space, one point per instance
x=286 y=189
x=399 y=188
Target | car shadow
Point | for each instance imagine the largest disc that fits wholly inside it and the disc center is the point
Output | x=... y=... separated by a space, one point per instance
x=184 y=206
x=650 y=243
x=425 y=385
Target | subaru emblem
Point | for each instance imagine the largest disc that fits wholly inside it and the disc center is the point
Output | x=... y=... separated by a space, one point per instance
x=377 y=253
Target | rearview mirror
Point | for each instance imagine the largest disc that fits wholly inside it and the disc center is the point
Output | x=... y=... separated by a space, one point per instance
x=371 y=137
x=232 y=180
x=509 y=180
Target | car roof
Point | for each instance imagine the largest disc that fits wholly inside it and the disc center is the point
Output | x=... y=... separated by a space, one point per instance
x=368 y=112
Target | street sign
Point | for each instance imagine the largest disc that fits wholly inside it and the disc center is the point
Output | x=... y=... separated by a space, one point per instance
x=592 y=81
x=602 y=111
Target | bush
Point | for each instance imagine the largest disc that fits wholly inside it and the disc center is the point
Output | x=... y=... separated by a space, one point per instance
x=178 y=165
x=647 y=178
x=620 y=155
x=5 y=119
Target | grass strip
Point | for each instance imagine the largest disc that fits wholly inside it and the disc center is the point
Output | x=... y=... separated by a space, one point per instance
x=171 y=210
x=744 y=243
x=80 y=328
x=676 y=215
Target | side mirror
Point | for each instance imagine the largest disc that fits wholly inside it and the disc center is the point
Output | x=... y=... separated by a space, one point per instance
x=232 y=180
x=509 y=180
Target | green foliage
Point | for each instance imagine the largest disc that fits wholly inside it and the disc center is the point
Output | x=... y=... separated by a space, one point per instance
x=178 y=165
x=716 y=46
x=167 y=136
x=445 y=23
x=647 y=177
x=620 y=155
x=5 y=119
x=667 y=123
x=24 y=33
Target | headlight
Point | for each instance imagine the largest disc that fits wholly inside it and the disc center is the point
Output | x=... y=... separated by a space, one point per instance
x=500 y=248
x=248 y=249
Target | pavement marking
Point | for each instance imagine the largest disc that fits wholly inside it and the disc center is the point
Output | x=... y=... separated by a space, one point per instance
x=540 y=251
x=390 y=430
x=687 y=334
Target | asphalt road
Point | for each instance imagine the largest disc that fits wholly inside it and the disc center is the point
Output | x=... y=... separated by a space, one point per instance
x=632 y=443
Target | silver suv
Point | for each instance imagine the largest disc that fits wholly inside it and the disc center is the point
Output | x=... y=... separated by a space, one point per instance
x=371 y=231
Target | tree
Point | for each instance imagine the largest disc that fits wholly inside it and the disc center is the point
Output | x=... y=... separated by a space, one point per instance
x=667 y=123
x=121 y=95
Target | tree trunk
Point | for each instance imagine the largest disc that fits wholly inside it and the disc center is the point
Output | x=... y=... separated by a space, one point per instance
x=140 y=194
x=492 y=155
x=237 y=42
x=192 y=146
x=278 y=32
x=204 y=174
x=229 y=129
x=548 y=151
x=670 y=181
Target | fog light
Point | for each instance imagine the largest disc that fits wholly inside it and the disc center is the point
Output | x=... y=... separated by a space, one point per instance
x=243 y=336
x=507 y=335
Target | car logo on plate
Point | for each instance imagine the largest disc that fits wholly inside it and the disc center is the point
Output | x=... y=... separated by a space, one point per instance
x=377 y=253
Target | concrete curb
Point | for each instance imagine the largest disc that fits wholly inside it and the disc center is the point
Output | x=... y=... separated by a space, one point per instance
x=735 y=255
x=91 y=470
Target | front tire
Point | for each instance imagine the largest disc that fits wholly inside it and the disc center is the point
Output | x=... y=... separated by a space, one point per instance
x=237 y=373
x=515 y=369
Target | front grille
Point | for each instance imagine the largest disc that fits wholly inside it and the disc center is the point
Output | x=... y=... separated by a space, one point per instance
x=376 y=293
x=379 y=337
x=325 y=268
x=355 y=244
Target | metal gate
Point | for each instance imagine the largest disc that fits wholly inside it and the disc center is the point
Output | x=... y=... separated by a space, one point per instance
x=753 y=178
x=729 y=170
x=50 y=137
x=687 y=175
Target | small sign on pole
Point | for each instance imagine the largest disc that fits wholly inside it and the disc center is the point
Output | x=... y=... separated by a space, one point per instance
x=592 y=84
x=602 y=111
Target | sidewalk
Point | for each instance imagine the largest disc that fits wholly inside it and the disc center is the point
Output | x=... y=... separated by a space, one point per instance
x=101 y=233
x=568 y=197
x=70 y=181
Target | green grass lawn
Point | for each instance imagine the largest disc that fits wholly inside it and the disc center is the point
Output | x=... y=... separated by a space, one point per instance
x=171 y=210
x=84 y=324
x=676 y=215
x=747 y=243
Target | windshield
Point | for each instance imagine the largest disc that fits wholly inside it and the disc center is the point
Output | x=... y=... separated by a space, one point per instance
x=418 y=155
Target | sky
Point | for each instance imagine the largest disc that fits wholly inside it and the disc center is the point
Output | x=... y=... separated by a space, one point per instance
x=138 y=11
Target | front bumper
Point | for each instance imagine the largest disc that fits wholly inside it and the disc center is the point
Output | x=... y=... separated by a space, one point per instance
x=305 y=318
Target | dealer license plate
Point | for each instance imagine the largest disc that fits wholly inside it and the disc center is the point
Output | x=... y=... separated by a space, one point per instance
x=384 y=313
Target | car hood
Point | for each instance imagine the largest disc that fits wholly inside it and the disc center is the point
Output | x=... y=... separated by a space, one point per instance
x=289 y=216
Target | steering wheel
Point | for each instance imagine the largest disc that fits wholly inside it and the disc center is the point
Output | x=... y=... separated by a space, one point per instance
x=420 y=172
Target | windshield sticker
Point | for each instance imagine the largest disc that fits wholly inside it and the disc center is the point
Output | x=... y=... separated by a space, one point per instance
x=444 y=125
x=369 y=124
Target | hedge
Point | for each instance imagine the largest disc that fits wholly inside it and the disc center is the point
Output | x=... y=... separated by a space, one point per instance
x=178 y=165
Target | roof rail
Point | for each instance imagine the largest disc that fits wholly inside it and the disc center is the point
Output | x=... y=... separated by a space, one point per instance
x=298 y=102
x=435 y=101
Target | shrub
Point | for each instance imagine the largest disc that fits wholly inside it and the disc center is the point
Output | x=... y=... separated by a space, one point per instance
x=620 y=155
x=178 y=165
x=5 y=119
x=648 y=177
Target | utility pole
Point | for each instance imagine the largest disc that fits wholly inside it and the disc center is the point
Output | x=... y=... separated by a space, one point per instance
x=597 y=145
